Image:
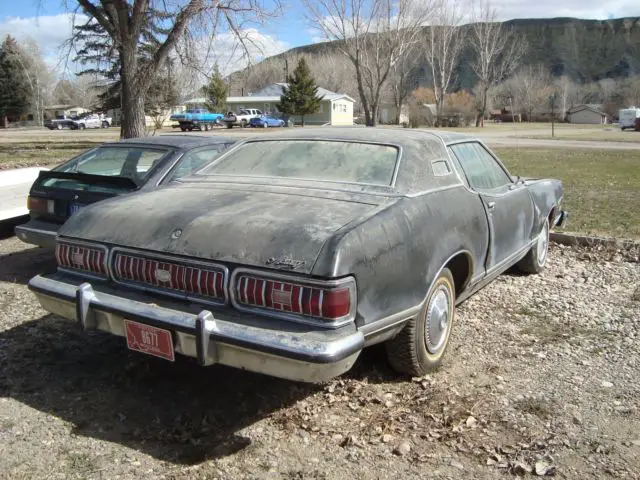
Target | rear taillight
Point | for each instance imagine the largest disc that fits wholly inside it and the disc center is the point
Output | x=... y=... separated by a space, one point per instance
x=82 y=257
x=40 y=205
x=332 y=301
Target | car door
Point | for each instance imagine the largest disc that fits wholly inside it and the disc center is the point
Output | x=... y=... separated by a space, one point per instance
x=508 y=204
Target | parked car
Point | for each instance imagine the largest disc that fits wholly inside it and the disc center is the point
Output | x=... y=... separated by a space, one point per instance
x=59 y=122
x=92 y=120
x=242 y=118
x=265 y=121
x=112 y=169
x=289 y=254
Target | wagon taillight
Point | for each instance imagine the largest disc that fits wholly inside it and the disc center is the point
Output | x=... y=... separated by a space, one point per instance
x=333 y=301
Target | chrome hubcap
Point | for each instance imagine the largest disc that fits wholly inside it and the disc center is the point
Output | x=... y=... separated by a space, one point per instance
x=438 y=320
x=543 y=244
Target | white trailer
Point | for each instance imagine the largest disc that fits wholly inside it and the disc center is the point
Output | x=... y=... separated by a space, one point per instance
x=628 y=118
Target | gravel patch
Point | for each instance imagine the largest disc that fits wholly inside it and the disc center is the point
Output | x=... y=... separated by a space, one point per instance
x=542 y=379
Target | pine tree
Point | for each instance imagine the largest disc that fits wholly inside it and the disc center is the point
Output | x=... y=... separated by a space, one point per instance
x=14 y=88
x=300 y=97
x=216 y=93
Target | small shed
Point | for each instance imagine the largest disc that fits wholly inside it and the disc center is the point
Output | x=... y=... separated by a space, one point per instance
x=587 y=114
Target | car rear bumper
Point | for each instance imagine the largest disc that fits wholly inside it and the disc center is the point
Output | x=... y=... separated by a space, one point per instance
x=38 y=233
x=299 y=353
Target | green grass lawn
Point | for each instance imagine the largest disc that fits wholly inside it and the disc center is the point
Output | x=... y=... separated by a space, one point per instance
x=602 y=187
x=40 y=154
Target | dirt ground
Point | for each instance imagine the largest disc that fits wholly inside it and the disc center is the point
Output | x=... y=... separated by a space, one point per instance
x=542 y=379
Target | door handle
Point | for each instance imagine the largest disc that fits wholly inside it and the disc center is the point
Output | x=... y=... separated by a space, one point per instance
x=491 y=205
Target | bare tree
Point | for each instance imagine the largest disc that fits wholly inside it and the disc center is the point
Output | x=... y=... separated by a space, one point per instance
x=497 y=52
x=374 y=35
x=124 y=22
x=631 y=91
x=532 y=87
x=444 y=41
x=567 y=91
x=38 y=75
x=403 y=80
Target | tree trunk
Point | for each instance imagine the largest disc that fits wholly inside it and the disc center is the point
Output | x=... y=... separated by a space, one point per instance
x=133 y=123
x=5 y=122
x=303 y=120
x=483 y=109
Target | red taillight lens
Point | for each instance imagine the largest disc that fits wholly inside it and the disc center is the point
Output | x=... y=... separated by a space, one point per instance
x=87 y=258
x=332 y=301
x=40 y=205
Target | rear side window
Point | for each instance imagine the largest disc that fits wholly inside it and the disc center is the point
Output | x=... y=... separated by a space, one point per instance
x=195 y=160
x=480 y=168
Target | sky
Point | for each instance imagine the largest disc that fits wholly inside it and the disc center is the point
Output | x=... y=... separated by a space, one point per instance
x=48 y=23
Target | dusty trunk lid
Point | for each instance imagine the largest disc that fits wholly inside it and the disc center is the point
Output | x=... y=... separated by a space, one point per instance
x=257 y=228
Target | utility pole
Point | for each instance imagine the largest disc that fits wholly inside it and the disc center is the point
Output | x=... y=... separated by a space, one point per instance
x=286 y=70
x=552 y=101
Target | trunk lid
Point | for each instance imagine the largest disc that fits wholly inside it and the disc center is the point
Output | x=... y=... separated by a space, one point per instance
x=70 y=191
x=274 y=229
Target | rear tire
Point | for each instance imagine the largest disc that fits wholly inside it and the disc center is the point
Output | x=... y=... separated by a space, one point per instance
x=105 y=124
x=243 y=123
x=420 y=346
x=536 y=258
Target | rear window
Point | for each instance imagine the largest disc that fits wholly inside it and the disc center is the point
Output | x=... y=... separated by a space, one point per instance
x=134 y=163
x=320 y=160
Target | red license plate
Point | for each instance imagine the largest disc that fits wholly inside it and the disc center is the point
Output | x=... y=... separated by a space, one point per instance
x=150 y=340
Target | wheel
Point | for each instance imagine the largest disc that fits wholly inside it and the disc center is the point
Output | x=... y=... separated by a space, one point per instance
x=229 y=125
x=281 y=124
x=204 y=128
x=190 y=129
x=622 y=128
x=536 y=257
x=59 y=126
x=264 y=125
x=81 y=126
x=105 y=124
x=184 y=129
x=419 y=347
x=243 y=123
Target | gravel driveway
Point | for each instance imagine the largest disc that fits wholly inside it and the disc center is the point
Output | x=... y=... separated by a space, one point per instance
x=542 y=378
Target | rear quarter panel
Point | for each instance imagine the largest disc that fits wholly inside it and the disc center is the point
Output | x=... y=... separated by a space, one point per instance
x=546 y=194
x=397 y=251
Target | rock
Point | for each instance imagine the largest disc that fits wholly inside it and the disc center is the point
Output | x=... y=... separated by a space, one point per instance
x=636 y=442
x=577 y=418
x=606 y=384
x=403 y=449
x=386 y=438
x=543 y=469
x=471 y=422
x=456 y=464
x=521 y=468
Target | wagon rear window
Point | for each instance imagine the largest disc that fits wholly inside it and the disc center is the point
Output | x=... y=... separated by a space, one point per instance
x=321 y=160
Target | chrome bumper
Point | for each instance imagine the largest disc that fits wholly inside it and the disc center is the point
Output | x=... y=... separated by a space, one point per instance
x=38 y=233
x=295 y=353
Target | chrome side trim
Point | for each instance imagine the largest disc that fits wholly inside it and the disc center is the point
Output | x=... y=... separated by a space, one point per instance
x=39 y=231
x=511 y=258
x=265 y=275
x=168 y=292
x=373 y=329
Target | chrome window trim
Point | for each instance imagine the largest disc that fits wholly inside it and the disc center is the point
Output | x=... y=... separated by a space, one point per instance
x=165 y=291
x=305 y=281
x=82 y=243
x=391 y=185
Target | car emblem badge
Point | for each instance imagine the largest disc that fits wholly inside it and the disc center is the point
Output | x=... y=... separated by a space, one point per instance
x=176 y=233
x=163 y=275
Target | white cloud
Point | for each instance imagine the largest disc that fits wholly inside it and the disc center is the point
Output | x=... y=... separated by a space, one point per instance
x=48 y=31
x=229 y=54
x=585 y=9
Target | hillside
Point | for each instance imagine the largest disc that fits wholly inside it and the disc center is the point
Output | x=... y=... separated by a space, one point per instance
x=584 y=50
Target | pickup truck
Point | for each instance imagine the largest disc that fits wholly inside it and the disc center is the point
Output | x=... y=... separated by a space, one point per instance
x=59 y=122
x=92 y=120
x=198 y=118
x=242 y=118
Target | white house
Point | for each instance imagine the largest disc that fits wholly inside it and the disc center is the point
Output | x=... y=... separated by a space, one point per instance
x=335 y=108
